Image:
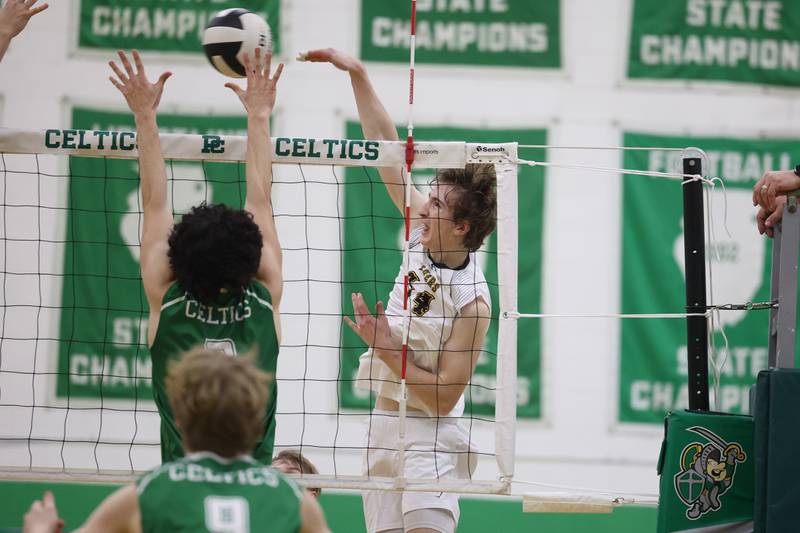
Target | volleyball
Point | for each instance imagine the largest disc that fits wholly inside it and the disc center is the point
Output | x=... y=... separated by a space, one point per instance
x=231 y=34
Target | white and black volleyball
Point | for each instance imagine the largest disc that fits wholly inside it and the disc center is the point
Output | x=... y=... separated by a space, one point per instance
x=230 y=34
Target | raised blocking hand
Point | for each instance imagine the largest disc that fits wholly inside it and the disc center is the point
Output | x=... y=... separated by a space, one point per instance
x=141 y=95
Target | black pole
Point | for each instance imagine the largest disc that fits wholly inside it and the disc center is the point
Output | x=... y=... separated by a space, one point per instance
x=694 y=248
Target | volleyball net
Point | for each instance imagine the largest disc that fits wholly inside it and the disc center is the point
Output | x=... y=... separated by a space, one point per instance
x=75 y=388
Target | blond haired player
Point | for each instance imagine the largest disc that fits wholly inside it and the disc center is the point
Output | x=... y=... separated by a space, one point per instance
x=220 y=405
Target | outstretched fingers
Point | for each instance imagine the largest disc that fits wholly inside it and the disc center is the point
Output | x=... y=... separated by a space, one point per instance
x=122 y=77
x=163 y=79
x=249 y=69
x=316 y=56
x=262 y=63
x=352 y=324
x=277 y=75
x=137 y=59
x=37 y=9
x=126 y=63
x=117 y=84
x=360 y=308
x=235 y=88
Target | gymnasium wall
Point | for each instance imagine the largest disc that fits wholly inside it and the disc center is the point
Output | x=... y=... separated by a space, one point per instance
x=584 y=435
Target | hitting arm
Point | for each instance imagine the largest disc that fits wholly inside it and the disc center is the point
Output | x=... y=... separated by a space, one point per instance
x=375 y=122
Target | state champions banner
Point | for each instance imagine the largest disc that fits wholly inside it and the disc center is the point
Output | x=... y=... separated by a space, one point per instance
x=511 y=33
x=103 y=325
x=724 y=40
x=653 y=358
x=157 y=26
x=373 y=242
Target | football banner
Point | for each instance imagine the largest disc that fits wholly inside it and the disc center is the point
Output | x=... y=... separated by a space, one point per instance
x=156 y=26
x=103 y=326
x=512 y=33
x=653 y=358
x=373 y=243
x=727 y=40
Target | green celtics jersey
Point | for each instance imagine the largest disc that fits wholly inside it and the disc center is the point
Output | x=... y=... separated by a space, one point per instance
x=234 y=325
x=205 y=493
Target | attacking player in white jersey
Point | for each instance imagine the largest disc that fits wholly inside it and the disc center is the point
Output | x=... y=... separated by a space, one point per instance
x=450 y=313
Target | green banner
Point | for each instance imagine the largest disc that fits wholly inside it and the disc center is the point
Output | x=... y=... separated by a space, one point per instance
x=653 y=361
x=731 y=40
x=511 y=33
x=158 y=26
x=373 y=253
x=103 y=327
x=707 y=473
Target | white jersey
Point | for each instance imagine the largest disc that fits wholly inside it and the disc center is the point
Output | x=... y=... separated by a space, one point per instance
x=436 y=296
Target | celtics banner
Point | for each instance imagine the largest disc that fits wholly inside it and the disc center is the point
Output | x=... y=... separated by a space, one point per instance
x=103 y=330
x=514 y=33
x=373 y=242
x=733 y=40
x=157 y=26
x=653 y=361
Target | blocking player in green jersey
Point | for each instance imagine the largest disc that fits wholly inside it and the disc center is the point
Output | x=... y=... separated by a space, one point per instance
x=214 y=278
x=219 y=405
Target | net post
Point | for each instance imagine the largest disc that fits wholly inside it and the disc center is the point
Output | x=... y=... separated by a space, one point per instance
x=507 y=260
x=784 y=287
x=694 y=250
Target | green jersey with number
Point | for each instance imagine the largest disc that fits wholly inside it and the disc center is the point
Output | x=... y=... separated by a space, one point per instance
x=235 y=325
x=204 y=492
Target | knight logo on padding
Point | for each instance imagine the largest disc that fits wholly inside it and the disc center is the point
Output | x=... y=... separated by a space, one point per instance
x=707 y=472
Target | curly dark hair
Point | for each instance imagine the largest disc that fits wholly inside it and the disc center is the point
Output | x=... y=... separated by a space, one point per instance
x=214 y=247
x=476 y=202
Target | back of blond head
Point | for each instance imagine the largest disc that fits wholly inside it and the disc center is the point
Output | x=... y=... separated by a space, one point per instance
x=219 y=401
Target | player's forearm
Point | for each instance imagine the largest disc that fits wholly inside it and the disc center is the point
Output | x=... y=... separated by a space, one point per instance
x=152 y=171
x=5 y=39
x=376 y=124
x=437 y=392
x=375 y=121
x=259 y=159
x=3 y=47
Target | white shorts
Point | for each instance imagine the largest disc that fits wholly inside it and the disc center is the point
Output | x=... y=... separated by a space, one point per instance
x=436 y=448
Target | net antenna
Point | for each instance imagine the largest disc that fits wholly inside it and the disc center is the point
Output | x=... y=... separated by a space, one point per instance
x=55 y=433
x=407 y=244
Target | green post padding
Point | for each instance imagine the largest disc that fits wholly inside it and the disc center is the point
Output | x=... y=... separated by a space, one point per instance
x=706 y=468
x=777 y=441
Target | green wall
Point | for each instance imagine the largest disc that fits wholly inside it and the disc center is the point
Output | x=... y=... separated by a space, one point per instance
x=343 y=511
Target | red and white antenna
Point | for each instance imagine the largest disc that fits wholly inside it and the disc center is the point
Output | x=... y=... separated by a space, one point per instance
x=406 y=254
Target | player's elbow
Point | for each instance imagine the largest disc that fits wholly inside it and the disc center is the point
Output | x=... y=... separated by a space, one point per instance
x=446 y=404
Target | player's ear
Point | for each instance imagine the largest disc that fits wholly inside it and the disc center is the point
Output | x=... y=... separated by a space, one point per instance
x=462 y=228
